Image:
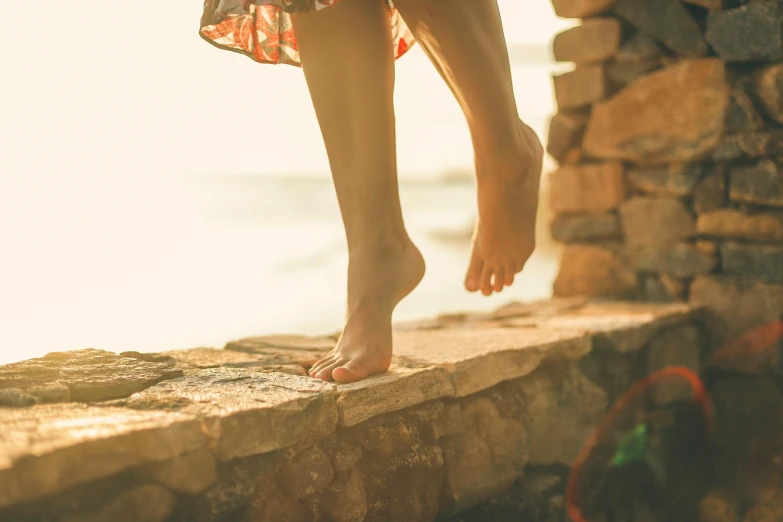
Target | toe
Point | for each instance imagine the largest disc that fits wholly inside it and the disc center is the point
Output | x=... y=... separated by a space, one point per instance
x=499 y=279
x=326 y=372
x=518 y=266
x=321 y=364
x=509 y=270
x=351 y=371
x=472 y=279
x=486 y=280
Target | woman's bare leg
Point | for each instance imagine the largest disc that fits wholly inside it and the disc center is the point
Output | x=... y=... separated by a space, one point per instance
x=464 y=40
x=347 y=58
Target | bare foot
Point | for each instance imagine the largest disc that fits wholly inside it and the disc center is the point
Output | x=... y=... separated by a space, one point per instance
x=376 y=283
x=504 y=239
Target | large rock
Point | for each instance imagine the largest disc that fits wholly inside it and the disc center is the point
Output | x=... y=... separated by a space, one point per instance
x=581 y=87
x=305 y=472
x=751 y=144
x=345 y=500
x=148 y=502
x=737 y=304
x=596 y=40
x=655 y=221
x=587 y=270
x=730 y=223
x=561 y=410
x=47 y=449
x=89 y=375
x=678 y=260
x=574 y=228
x=646 y=124
x=763 y=261
x=580 y=8
x=741 y=114
x=761 y=184
x=587 y=188
x=753 y=32
x=675 y=179
x=247 y=412
x=637 y=56
x=486 y=458
x=565 y=129
x=190 y=473
x=769 y=89
x=667 y=21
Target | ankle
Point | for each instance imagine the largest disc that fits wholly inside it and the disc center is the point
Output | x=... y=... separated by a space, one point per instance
x=380 y=250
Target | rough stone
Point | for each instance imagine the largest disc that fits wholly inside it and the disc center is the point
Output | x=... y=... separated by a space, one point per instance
x=47 y=449
x=730 y=223
x=741 y=114
x=748 y=412
x=596 y=40
x=736 y=304
x=148 y=502
x=652 y=221
x=200 y=358
x=753 y=32
x=761 y=184
x=16 y=398
x=304 y=473
x=269 y=503
x=646 y=124
x=396 y=389
x=718 y=506
x=345 y=500
x=478 y=359
x=90 y=375
x=581 y=87
x=638 y=56
x=587 y=188
x=190 y=473
x=763 y=261
x=710 y=193
x=674 y=179
x=769 y=509
x=486 y=458
x=768 y=83
x=654 y=290
x=562 y=408
x=50 y=393
x=565 y=129
x=346 y=456
x=573 y=156
x=292 y=349
x=593 y=271
x=677 y=260
x=574 y=228
x=749 y=145
x=667 y=21
x=679 y=346
x=712 y=5
x=239 y=405
x=580 y=8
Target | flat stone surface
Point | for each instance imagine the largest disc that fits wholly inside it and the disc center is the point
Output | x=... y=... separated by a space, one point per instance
x=678 y=260
x=596 y=40
x=581 y=87
x=667 y=21
x=580 y=8
x=594 y=271
x=46 y=449
x=89 y=375
x=644 y=123
x=479 y=358
x=762 y=261
x=622 y=326
x=735 y=224
x=201 y=358
x=394 y=390
x=574 y=228
x=753 y=32
x=587 y=188
x=293 y=349
x=651 y=221
x=248 y=412
x=761 y=184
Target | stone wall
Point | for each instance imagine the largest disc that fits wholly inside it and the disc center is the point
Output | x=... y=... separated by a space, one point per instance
x=669 y=137
x=475 y=407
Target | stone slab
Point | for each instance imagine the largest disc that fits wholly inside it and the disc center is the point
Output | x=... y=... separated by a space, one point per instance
x=247 y=412
x=89 y=375
x=200 y=358
x=479 y=358
x=46 y=449
x=400 y=387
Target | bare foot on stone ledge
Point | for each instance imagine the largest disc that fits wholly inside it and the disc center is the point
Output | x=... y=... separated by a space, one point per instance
x=376 y=283
x=504 y=239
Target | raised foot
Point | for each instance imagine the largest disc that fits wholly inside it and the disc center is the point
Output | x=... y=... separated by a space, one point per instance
x=376 y=283
x=504 y=238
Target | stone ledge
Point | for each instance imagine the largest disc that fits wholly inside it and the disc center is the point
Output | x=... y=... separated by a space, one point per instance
x=234 y=404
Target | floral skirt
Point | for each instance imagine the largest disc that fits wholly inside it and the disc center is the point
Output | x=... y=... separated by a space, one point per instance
x=262 y=29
